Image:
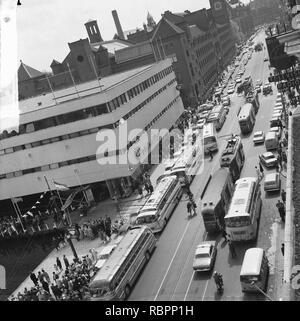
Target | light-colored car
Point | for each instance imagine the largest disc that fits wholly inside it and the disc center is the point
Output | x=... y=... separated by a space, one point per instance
x=204 y=114
x=205 y=256
x=104 y=255
x=272 y=182
x=238 y=80
x=230 y=90
x=200 y=123
x=277 y=130
x=259 y=137
x=268 y=159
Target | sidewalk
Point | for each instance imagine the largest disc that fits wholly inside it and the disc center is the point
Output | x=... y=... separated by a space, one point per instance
x=82 y=247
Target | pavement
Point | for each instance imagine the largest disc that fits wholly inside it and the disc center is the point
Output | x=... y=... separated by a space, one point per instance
x=82 y=247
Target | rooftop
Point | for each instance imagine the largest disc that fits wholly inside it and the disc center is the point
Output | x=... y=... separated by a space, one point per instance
x=83 y=89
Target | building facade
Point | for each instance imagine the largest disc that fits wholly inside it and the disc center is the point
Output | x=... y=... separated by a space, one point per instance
x=57 y=136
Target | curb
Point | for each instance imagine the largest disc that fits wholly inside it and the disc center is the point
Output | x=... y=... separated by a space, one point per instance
x=287 y=294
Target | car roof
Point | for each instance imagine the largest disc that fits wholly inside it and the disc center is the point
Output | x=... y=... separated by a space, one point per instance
x=258 y=132
x=271 y=177
x=203 y=247
x=268 y=154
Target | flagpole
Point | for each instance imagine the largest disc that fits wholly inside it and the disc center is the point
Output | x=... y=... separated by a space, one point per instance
x=73 y=79
x=62 y=204
x=18 y=214
x=76 y=172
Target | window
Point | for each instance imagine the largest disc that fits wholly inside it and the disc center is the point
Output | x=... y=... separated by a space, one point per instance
x=62 y=164
x=54 y=166
x=28 y=146
x=9 y=150
x=45 y=168
x=30 y=128
x=46 y=141
x=18 y=148
x=18 y=173
x=10 y=175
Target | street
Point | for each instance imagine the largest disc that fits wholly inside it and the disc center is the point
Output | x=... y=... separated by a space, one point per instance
x=169 y=275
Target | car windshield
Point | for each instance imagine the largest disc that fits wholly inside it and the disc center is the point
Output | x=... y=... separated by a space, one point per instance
x=202 y=255
x=268 y=157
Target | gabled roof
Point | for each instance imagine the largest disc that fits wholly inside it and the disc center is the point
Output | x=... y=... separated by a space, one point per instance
x=174 y=28
x=26 y=72
x=55 y=62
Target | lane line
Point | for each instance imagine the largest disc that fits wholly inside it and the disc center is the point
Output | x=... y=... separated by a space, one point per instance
x=161 y=284
x=206 y=285
x=188 y=289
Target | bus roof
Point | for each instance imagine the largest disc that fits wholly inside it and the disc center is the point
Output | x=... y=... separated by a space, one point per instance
x=215 y=187
x=118 y=256
x=240 y=200
x=252 y=262
x=244 y=113
x=163 y=185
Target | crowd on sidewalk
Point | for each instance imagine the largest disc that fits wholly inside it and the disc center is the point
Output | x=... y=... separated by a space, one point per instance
x=69 y=283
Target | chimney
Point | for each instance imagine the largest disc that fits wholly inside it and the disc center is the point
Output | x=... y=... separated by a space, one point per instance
x=118 y=24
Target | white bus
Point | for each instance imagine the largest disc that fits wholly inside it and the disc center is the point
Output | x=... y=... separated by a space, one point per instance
x=247 y=118
x=243 y=216
x=209 y=138
x=115 y=280
x=217 y=116
x=160 y=205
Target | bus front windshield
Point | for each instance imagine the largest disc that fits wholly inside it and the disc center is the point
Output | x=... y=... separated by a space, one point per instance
x=146 y=219
x=209 y=140
x=238 y=221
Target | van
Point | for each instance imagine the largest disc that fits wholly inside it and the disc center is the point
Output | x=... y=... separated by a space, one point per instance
x=271 y=141
x=255 y=271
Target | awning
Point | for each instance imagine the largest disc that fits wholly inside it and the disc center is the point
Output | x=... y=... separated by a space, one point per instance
x=71 y=197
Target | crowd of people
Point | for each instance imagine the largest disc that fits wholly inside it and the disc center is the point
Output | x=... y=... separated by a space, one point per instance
x=68 y=283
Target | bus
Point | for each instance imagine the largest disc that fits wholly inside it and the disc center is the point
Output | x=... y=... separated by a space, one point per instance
x=217 y=116
x=252 y=97
x=115 y=280
x=216 y=200
x=233 y=156
x=160 y=205
x=247 y=118
x=243 y=216
x=185 y=167
x=209 y=138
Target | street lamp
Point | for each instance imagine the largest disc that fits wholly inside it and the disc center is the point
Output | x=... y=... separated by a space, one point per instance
x=261 y=291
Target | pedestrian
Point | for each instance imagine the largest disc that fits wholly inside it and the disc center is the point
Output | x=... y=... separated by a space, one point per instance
x=140 y=191
x=258 y=173
x=224 y=234
x=46 y=276
x=279 y=160
x=54 y=276
x=232 y=249
x=282 y=249
x=261 y=170
x=58 y=263
x=40 y=277
x=281 y=210
x=283 y=195
x=34 y=279
x=45 y=286
x=67 y=264
x=210 y=153
x=147 y=188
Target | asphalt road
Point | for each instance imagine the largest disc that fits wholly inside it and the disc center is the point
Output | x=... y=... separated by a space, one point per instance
x=169 y=275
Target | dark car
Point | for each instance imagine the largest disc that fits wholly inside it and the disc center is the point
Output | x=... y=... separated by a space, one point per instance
x=267 y=88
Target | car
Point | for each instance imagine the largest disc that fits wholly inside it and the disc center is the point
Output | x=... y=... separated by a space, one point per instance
x=272 y=182
x=267 y=88
x=238 y=80
x=268 y=159
x=204 y=114
x=128 y=220
x=266 y=59
x=259 y=82
x=200 y=123
x=277 y=113
x=205 y=256
x=259 y=137
x=258 y=88
x=230 y=90
x=277 y=130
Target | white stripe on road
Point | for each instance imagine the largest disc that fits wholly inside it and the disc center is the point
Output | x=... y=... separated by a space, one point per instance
x=188 y=289
x=206 y=285
x=162 y=282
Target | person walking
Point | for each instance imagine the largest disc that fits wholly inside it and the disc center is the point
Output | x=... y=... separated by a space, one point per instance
x=140 y=190
x=189 y=207
x=258 y=173
x=283 y=195
x=282 y=249
x=58 y=263
x=281 y=210
x=210 y=153
x=232 y=249
x=224 y=234
x=67 y=264
x=46 y=276
x=33 y=278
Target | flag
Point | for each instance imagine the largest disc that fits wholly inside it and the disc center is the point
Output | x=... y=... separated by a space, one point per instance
x=61 y=187
x=29 y=213
x=17 y=199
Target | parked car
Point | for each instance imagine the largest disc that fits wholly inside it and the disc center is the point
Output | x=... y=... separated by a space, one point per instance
x=268 y=159
x=238 y=80
x=272 y=182
x=258 y=88
x=267 y=88
x=205 y=256
x=277 y=130
x=259 y=137
x=204 y=114
x=200 y=123
x=230 y=90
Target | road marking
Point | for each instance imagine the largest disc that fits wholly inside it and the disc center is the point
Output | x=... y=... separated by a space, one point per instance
x=188 y=289
x=206 y=285
x=161 y=284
